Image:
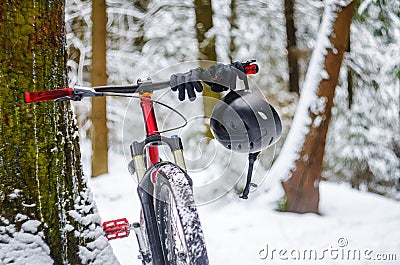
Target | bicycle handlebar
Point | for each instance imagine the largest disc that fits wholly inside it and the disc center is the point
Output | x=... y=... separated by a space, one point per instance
x=77 y=93
x=141 y=87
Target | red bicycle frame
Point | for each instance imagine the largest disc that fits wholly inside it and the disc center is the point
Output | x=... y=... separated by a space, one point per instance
x=151 y=125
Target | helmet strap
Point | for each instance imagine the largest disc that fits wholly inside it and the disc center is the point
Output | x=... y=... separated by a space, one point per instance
x=246 y=84
x=252 y=159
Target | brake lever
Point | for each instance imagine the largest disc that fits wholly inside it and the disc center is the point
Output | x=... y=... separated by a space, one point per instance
x=84 y=92
x=66 y=99
x=79 y=93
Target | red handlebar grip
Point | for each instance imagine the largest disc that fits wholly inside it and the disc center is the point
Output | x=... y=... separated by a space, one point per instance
x=251 y=69
x=48 y=95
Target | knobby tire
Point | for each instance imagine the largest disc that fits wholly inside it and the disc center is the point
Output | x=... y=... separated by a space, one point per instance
x=178 y=222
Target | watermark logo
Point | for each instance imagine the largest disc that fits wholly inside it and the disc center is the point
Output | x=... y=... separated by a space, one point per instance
x=341 y=251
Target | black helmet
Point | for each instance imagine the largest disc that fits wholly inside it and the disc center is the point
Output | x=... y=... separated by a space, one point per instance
x=245 y=123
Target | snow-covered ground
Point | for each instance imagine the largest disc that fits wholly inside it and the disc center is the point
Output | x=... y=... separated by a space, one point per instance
x=354 y=227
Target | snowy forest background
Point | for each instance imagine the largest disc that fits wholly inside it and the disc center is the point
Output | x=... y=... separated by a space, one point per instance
x=48 y=213
x=147 y=37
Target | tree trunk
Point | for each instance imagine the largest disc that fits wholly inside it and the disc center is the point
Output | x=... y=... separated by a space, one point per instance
x=140 y=40
x=350 y=85
x=204 y=23
x=99 y=78
x=46 y=210
x=234 y=27
x=302 y=189
x=291 y=47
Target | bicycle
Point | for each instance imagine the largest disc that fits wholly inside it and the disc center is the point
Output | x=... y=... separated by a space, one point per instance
x=169 y=231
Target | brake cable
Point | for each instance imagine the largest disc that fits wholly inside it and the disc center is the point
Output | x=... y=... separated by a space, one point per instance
x=157 y=102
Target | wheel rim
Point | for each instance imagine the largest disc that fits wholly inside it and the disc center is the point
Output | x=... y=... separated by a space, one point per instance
x=170 y=228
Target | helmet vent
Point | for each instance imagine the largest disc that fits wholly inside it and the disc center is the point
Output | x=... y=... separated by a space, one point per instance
x=270 y=141
x=251 y=145
x=262 y=115
x=233 y=126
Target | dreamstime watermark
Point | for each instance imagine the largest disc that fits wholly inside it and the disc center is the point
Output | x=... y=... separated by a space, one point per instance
x=339 y=252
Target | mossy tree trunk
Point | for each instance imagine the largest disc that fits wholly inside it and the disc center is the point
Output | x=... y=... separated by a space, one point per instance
x=43 y=194
x=99 y=78
x=204 y=22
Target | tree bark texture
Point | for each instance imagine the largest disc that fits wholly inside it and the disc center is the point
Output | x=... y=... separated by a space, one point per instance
x=233 y=21
x=204 y=22
x=291 y=47
x=99 y=78
x=40 y=167
x=350 y=84
x=302 y=189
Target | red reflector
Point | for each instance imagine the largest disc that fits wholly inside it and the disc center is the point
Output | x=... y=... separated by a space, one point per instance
x=48 y=95
x=251 y=69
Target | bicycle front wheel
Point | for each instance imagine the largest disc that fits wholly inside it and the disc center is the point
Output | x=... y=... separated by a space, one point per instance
x=178 y=222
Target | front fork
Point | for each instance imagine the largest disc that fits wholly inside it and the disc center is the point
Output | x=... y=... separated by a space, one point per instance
x=121 y=228
x=138 y=166
x=138 y=152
